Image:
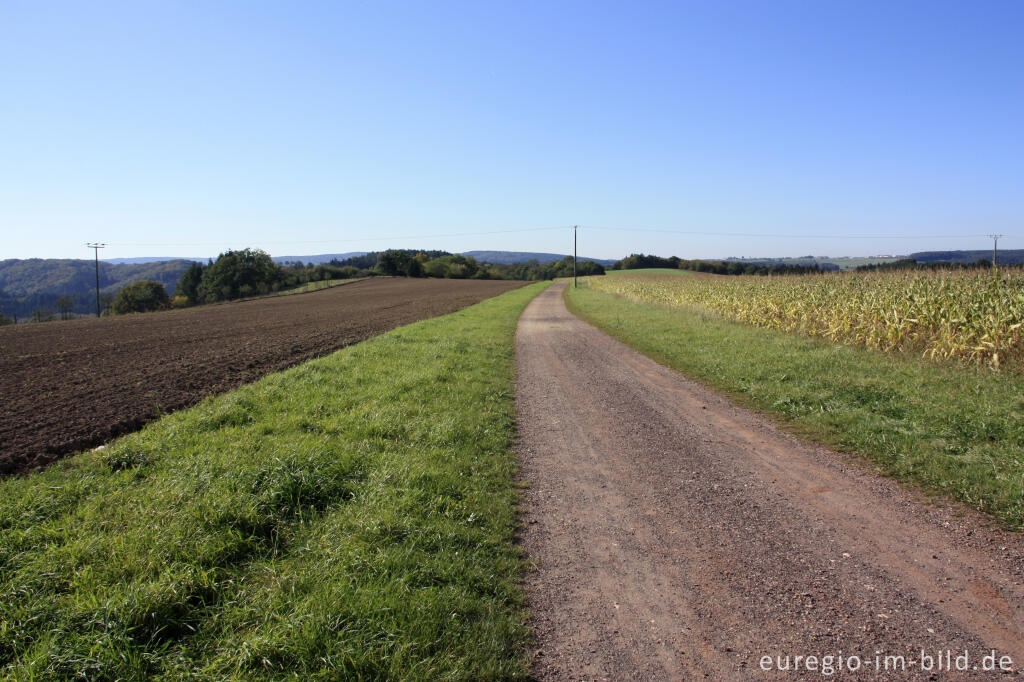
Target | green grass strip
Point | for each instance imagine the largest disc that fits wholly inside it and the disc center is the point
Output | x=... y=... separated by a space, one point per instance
x=948 y=428
x=351 y=518
x=316 y=286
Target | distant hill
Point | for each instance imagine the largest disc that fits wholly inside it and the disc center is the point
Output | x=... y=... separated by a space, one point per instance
x=1008 y=257
x=510 y=257
x=149 y=259
x=37 y=282
x=314 y=259
x=504 y=257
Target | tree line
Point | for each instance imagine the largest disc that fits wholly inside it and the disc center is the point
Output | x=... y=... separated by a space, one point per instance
x=638 y=261
x=412 y=263
x=251 y=272
x=912 y=264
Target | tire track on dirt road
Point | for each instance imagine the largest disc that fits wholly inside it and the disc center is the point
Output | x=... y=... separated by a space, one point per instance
x=677 y=536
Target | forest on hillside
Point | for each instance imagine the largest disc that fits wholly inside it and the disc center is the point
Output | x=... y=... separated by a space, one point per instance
x=36 y=284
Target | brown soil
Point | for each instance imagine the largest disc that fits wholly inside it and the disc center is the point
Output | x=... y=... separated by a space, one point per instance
x=71 y=385
x=679 y=537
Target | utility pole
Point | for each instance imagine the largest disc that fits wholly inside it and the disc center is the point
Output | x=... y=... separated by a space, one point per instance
x=96 y=246
x=574 y=284
x=995 y=245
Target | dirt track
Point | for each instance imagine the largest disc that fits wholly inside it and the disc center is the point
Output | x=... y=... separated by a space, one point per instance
x=678 y=537
x=70 y=385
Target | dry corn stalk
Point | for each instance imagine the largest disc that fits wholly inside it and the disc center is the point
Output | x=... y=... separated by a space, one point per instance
x=969 y=315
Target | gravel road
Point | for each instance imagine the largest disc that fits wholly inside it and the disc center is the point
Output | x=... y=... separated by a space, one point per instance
x=677 y=537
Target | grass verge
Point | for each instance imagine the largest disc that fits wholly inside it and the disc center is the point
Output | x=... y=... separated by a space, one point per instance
x=950 y=429
x=351 y=518
x=306 y=288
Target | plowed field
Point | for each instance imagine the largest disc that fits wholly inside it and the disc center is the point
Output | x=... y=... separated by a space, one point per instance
x=72 y=385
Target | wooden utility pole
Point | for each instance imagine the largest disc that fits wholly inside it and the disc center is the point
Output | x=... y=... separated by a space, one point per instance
x=96 y=246
x=995 y=245
x=574 y=284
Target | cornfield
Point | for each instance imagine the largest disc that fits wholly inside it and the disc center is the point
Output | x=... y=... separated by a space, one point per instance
x=971 y=316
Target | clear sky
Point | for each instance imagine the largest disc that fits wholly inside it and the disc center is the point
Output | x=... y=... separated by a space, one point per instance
x=185 y=128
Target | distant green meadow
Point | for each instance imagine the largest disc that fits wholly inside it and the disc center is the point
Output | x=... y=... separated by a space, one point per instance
x=948 y=428
x=350 y=518
x=842 y=262
x=651 y=271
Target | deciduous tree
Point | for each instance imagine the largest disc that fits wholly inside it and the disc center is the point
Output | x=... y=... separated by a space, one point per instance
x=64 y=305
x=141 y=297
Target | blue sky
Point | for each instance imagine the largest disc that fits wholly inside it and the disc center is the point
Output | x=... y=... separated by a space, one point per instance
x=829 y=128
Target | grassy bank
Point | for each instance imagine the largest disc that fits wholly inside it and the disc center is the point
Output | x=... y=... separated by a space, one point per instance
x=951 y=429
x=306 y=288
x=351 y=518
x=317 y=286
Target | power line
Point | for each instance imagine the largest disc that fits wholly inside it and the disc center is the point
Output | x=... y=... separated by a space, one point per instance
x=790 y=235
x=702 y=233
x=353 y=240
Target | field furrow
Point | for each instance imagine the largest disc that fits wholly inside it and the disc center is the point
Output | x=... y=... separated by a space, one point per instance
x=65 y=387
